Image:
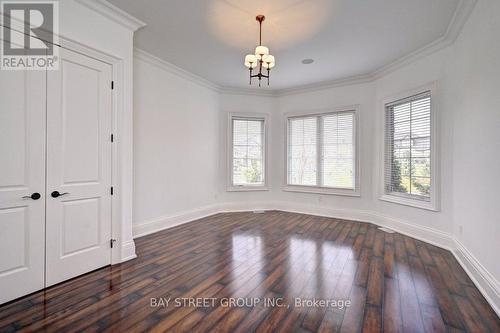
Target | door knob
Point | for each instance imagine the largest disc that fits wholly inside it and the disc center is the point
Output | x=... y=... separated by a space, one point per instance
x=34 y=196
x=56 y=194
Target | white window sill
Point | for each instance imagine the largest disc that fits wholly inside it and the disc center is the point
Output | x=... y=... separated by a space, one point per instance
x=247 y=188
x=428 y=205
x=322 y=190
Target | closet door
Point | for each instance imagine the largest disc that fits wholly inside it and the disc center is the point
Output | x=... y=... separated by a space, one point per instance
x=78 y=167
x=22 y=183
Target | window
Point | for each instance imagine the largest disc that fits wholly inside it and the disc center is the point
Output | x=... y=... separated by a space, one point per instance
x=408 y=153
x=303 y=151
x=247 y=153
x=321 y=153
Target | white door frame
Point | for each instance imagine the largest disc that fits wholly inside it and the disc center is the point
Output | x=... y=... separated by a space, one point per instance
x=119 y=149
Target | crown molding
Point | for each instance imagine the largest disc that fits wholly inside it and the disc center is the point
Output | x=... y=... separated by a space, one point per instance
x=173 y=69
x=248 y=91
x=196 y=79
x=412 y=57
x=462 y=13
x=460 y=17
x=114 y=13
x=347 y=81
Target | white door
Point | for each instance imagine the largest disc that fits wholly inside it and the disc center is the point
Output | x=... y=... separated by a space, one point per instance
x=78 y=194
x=22 y=176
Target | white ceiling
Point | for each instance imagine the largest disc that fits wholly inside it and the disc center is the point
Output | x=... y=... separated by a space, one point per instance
x=345 y=37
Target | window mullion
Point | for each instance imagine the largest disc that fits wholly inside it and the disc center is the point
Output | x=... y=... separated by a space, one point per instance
x=393 y=134
x=232 y=152
x=262 y=153
x=411 y=144
x=248 y=147
x=319 y=151
x=288 y=157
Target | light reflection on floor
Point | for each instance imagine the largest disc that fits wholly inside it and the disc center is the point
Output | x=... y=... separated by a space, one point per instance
x=247 y=265
x=311 y=268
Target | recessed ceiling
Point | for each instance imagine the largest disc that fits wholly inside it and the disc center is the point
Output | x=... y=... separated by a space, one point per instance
x=344 y=37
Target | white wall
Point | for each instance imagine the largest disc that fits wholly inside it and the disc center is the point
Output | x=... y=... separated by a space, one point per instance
x=473 y=78
x=176 y=147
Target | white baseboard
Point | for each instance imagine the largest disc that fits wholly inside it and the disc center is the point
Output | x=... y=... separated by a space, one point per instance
x=426 y=234
x=429 y=235
x=165 y=222
x=246 y=206
x=128 y=251
x=484 y=280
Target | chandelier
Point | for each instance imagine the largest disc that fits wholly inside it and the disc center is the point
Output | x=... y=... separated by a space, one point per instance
x=261 y=58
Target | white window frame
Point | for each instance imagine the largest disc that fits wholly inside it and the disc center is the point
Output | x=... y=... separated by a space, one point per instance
x=434 y=203
x=249 y=116
x=356 y=192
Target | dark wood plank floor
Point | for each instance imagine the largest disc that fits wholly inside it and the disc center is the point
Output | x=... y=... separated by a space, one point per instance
x=394 y=283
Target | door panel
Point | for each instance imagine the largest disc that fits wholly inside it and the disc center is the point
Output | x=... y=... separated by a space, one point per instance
x=80 y=112
x=80 y=226
x=22 y=173
x=79 y=164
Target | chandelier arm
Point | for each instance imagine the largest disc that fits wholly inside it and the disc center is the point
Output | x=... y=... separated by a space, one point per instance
x=260 y=75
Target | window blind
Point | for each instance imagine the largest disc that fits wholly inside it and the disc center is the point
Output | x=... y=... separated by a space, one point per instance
x=248 y=151
x=321 y=150
x=338 y=150
x=408 y=147
x=302 y=151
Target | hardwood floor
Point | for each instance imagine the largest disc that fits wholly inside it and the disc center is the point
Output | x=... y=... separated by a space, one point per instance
x=394 y=283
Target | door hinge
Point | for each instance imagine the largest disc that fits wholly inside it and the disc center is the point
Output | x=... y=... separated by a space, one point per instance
x=112 y=137
x=111 y=190
x=112 y=85
x=111 y=242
